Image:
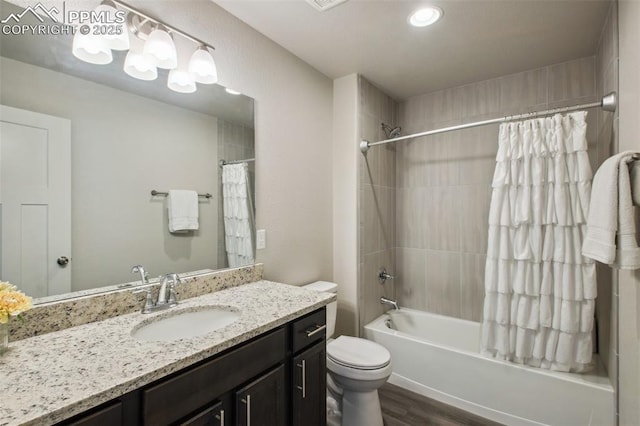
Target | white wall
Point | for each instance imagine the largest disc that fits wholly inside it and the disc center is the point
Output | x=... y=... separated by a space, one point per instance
x=118 y=156
x=345 y=207
x=293 y=118
x=629 y=281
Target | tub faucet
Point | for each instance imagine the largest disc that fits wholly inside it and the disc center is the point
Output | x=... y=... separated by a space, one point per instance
x=385 y=301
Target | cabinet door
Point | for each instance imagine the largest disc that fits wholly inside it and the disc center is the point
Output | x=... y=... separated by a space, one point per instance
x=262 y=402
x=216 y=415
x=309 y=387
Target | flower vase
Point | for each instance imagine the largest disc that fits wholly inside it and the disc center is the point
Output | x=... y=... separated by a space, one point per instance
x=4 y=338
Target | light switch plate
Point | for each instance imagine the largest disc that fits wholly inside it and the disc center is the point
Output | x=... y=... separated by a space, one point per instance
x=261 y=239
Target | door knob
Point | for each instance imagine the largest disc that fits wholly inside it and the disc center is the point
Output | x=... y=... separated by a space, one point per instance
x=63 y=260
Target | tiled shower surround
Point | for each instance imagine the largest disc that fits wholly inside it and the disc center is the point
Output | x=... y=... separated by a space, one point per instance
x=424 y=203
x=235 y=142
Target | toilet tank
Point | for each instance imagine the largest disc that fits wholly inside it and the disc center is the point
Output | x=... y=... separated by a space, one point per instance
x=332 y=307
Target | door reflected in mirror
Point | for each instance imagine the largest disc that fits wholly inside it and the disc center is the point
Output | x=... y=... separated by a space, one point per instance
x=81 y=148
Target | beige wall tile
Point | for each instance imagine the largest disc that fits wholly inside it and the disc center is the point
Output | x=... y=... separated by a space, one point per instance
x=573 y=79
x=410 y=218
x=474 y=218
x=443 y=106
x=441 y=213
x=523 y=92
x=369 y=228
x=410 y=278
x=377 y=218
x=443 y=282
x=479 y=99
x=472 y=286
x=439 y=159
x=370 y=288
x=478 y=149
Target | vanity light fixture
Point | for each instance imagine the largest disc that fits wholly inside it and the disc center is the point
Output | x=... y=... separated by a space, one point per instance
x=115 y=40
x=425 y=16
x=136 y=65
x=181 y=81
x=92 y=49
x=160 y=50
x=151 y=46
x=202 y=66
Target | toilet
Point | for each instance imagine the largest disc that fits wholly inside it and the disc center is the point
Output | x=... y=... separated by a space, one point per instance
x=356 y=368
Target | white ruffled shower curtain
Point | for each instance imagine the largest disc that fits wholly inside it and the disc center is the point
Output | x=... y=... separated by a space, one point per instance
x=539 y=290
x=237 y=208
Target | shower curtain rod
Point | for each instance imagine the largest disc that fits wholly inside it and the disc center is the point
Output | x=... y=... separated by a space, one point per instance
x=224 y=162
x=609 y=103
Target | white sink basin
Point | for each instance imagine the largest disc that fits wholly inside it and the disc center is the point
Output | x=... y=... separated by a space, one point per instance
x=185 y=323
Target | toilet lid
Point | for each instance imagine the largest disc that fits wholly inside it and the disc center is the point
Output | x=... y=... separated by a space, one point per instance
x=358 y=353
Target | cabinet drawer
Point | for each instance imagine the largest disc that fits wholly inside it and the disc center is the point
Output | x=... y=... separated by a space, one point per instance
x=309 y=329
x=107 y=416
x=187 y=392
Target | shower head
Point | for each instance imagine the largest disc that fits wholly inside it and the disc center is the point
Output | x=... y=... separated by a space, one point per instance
x=391 y=132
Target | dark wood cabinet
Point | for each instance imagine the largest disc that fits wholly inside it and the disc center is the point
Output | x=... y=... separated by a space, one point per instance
x=171 y=399
x=262 y=402
x=106 y=416
x=308 y=401
x=218 y=414
x=275 y=379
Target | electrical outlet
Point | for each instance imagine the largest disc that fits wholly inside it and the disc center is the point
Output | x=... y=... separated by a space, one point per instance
x=261 y=239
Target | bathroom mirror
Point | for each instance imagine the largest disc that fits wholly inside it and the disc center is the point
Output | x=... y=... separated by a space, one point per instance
x=126 y=137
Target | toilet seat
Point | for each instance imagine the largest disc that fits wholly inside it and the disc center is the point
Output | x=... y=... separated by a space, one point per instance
x=357 y=358
x=361 y=354
x=355 y=374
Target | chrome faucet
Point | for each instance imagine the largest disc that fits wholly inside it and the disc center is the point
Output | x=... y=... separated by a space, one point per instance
x=144 y=275
x=385 y=301
x=166 y=292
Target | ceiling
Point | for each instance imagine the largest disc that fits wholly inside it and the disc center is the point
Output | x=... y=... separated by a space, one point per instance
x=475 y=40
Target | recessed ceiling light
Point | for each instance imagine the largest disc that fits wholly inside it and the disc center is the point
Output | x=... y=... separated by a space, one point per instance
x=425 y=16
x=232 y=92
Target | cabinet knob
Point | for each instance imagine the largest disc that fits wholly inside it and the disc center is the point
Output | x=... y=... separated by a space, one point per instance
x=63 y=261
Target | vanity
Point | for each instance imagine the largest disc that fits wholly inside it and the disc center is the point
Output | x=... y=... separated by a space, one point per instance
x=268 y=367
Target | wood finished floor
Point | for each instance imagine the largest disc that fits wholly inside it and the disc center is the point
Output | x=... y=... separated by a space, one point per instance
x=401 y=407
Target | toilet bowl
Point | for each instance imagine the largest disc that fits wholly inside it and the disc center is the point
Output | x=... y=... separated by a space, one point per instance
x=356 y=368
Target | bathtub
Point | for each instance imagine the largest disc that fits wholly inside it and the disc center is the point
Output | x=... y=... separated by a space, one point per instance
x=438 y=357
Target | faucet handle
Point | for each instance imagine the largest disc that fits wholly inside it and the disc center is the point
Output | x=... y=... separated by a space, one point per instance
x=148 y=303
x=384 y=276
x=172 y=280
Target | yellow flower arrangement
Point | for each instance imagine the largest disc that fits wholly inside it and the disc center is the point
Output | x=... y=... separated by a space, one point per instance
x=12 y=301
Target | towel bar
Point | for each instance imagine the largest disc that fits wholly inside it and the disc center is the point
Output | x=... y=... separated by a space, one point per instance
x=154 y=193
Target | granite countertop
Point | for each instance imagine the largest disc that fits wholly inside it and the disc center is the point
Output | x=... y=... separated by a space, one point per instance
x=48 y=378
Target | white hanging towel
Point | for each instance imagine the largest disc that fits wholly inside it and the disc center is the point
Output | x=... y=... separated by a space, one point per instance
x=182 y=207
x=611 y=230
